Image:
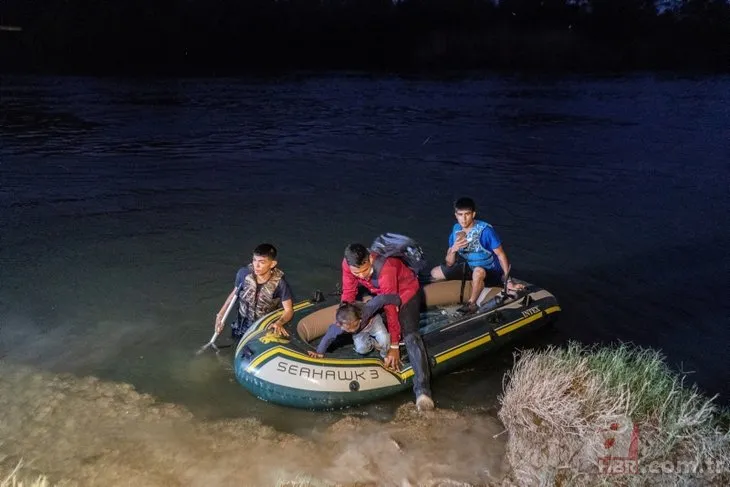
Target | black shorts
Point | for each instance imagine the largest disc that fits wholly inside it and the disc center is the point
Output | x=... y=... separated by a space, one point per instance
x=461 y=270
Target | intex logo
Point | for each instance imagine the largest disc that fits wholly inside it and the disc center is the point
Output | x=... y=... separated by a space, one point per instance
x=620 y=452
x=531 y=311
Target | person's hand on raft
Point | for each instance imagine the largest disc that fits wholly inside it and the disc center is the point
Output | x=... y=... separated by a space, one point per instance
x=278 y=329
x=314 y=354
x=392 y=360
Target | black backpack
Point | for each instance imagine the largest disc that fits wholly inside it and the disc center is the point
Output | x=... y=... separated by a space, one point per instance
x=400 y=246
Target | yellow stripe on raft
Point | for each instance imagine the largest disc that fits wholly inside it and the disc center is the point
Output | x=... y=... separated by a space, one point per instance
x=482 y=339
x=303 y=356
x=513 y=326
x=279 y=350
x=268 y=320
x=440 y=358
x=458 y=350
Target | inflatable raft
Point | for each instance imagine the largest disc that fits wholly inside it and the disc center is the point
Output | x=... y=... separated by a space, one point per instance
x=279 y=370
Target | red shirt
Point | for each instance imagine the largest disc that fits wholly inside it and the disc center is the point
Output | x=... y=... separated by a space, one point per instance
x=395 y=278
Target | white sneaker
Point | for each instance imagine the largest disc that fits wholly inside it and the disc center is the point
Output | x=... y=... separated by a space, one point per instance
x=424 y=403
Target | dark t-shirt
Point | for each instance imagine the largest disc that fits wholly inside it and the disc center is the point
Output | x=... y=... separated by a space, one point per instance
x=282 y=291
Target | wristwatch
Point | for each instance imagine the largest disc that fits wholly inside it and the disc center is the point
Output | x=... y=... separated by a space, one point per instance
x=394 y=346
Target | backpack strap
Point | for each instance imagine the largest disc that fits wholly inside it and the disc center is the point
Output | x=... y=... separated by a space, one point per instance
x=377 y=267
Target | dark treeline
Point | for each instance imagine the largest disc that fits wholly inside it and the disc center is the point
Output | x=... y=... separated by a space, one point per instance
x=229 y=36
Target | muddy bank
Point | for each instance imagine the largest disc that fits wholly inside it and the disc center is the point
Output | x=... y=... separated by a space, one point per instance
x=83 y=431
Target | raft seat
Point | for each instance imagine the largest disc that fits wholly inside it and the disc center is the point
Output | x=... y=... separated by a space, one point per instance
x=315 y=325
x=445 y=293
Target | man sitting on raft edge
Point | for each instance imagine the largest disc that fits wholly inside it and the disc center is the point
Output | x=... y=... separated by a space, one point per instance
x=475 y=253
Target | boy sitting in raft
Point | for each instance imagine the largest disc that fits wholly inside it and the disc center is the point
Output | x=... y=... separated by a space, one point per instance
x=365 y=324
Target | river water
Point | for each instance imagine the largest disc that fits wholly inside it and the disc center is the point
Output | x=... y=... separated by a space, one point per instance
x=127 y=205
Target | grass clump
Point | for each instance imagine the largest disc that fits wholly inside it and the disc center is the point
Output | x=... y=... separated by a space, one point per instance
x=570 y=410
x=13 y=479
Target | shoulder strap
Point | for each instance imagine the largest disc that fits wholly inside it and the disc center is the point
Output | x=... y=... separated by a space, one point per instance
x=377 y=267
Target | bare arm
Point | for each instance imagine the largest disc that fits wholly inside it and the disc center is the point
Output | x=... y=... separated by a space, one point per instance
x=451 y=253
x=219 y=317
x=450 y=257
x=503 y=260
x=278 y=325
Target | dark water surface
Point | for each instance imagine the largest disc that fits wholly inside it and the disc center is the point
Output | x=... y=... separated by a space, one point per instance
x=126 y=207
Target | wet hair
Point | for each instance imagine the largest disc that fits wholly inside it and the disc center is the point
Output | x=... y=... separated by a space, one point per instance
x=347 y=312
x=265 y=250
x=356 y=254
x=465 y=204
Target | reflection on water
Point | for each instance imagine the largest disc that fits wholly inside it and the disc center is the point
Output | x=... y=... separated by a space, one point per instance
x=126 y=207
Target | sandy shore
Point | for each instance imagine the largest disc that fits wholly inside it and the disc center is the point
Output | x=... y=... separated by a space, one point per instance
x=82 y=431
x=570 y=414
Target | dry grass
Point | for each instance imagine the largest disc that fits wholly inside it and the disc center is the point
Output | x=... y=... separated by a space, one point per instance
x=13 y=479
x=566 y=408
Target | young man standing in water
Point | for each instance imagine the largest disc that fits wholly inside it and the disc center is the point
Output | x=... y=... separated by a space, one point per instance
x=475 y=253
x=390 y=275
x=260 y=289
